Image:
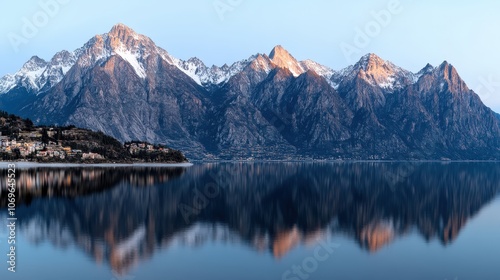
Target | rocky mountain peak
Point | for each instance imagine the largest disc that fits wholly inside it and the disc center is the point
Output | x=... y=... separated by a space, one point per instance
x=447 y=70
x=381 y=73
x=428 y=69
x=61 y=62
x=34 y=63
x=283 y=59
x=374 y=66
x=280 y=52
x=262 y=63
x=25 y=77
x=123 y=32
x=196 y=61
x=444 y=78
x=124 y=42
x=371 y=62
x=123 y=37
x=61 y=57
x=447 y=73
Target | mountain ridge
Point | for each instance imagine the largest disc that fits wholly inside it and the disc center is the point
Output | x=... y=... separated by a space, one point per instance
x=267 y=106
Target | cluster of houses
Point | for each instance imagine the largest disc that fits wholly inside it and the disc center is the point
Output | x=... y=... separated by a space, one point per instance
x=136 y=147
x=28 y=146
x=38 y=143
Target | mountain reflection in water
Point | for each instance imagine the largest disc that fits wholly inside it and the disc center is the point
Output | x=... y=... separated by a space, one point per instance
x=122 y=216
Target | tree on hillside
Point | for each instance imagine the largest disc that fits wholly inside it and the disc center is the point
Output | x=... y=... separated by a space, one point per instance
x=45 y=136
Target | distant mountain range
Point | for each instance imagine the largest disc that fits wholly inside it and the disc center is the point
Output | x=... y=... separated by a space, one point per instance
x=267 y=106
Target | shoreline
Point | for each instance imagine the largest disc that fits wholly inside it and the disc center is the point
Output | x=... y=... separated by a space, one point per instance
x=25 y=164
x=344 y=161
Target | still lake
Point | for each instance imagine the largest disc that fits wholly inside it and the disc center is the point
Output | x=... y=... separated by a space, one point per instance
x=367 y=220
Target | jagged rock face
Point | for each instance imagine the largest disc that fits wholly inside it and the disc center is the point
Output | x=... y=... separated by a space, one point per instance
x=273 y=107
x=238 y=128
x=307 y=103
x=463 y=123
x=117 y=101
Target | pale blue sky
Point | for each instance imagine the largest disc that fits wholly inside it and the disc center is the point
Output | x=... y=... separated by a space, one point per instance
x=463 y=33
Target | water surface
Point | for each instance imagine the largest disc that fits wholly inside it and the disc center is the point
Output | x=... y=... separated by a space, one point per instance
x=259 y=221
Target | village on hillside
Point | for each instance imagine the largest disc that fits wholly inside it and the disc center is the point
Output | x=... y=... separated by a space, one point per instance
x=21 y=140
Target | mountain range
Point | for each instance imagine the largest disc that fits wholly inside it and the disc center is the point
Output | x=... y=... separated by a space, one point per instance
x=264 y=107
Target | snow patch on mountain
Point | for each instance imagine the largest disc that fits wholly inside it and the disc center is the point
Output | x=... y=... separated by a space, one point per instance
x=389 y=83
x=130 y=244
x=318 y=68
x=165 y=56
x=321 y=70
x=7 y=83
x=133 y=60
x=203 y=232
x=193 y=67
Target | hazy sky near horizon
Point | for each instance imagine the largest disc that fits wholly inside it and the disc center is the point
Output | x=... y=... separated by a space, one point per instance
x=409 y=33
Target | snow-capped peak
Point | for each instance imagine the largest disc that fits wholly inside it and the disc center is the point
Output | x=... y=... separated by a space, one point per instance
x=124 y=42
x=34 y=64
x=37 y=75
x=215 y=75
x=30 y=72
x=377 y=72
